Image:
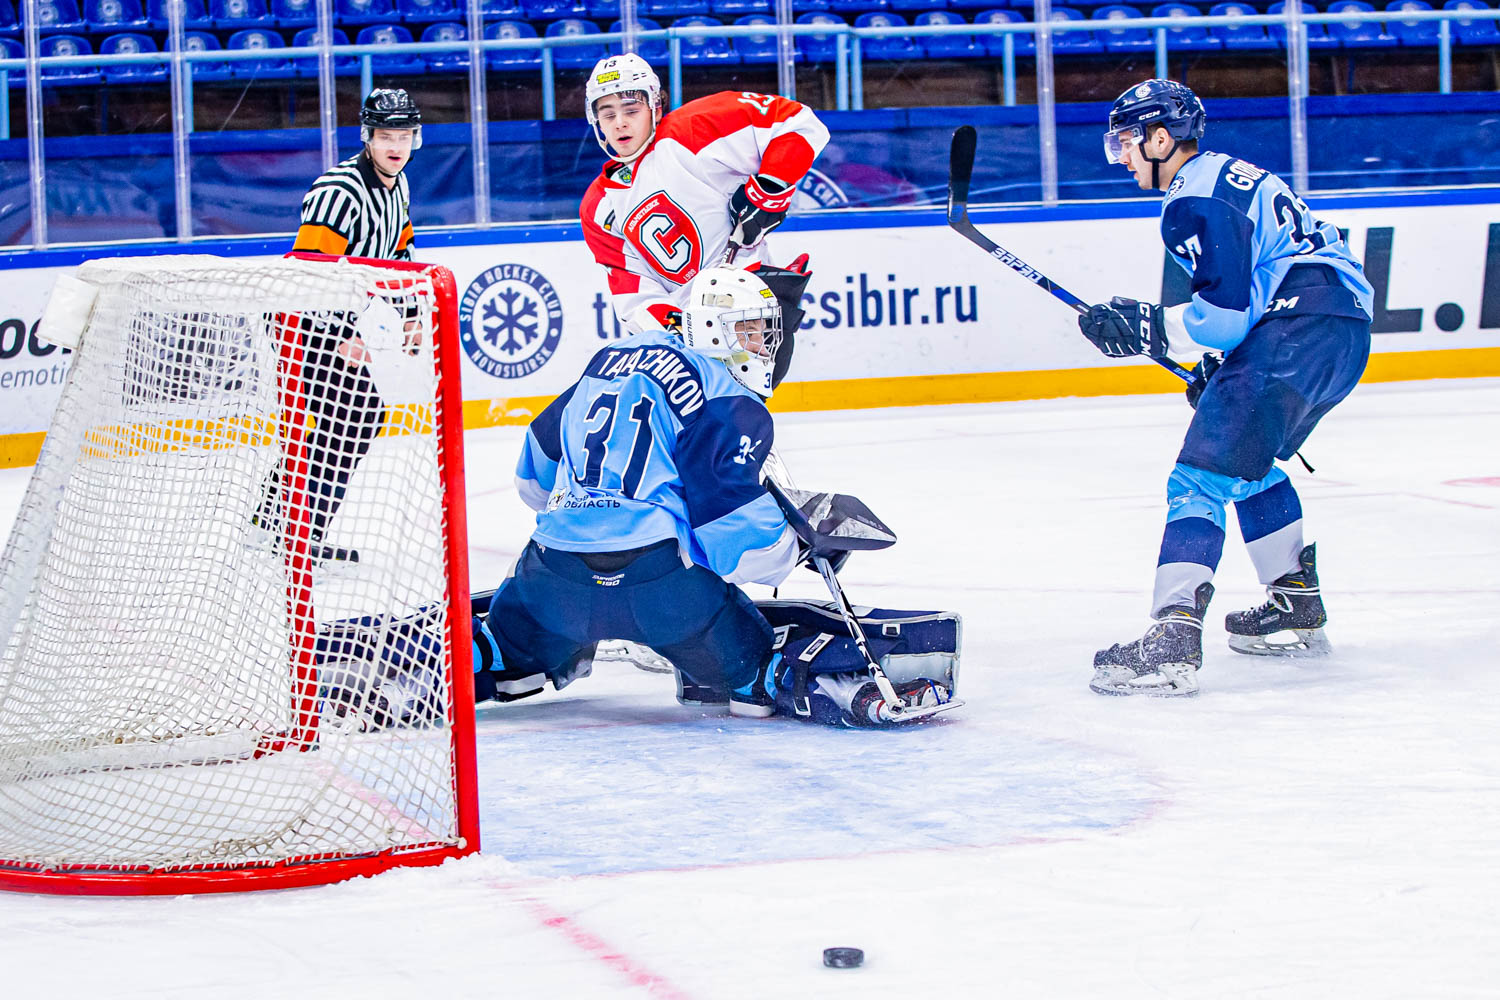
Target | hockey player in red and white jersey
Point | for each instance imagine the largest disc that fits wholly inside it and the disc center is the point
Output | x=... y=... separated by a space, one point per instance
x=680 y=189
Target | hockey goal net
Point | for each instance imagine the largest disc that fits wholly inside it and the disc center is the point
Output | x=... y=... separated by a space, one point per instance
x=198 y=690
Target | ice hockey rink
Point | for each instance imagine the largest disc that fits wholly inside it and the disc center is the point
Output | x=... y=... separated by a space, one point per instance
x=1302 y=829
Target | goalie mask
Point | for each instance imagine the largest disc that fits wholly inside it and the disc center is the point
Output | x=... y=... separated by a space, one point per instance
x=731 y=315
x=390 y=109
x=633 y=79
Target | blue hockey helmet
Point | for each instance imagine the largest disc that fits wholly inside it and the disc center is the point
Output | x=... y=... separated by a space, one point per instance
x=1146 y=105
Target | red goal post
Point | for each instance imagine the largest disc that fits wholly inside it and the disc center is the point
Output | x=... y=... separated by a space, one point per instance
x=191 y=698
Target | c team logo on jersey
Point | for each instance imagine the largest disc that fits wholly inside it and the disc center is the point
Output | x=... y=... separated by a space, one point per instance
x=510 y=321
x=667 y=238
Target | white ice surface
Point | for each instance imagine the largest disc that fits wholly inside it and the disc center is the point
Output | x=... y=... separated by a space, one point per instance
x=1303 y=829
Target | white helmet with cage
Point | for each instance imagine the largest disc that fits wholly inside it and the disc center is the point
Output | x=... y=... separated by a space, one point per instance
x=733 y=316
x=625 y=75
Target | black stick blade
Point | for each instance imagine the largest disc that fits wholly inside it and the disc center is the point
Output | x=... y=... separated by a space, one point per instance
x=961 y=168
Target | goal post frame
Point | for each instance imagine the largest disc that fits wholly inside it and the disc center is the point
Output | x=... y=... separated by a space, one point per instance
x=132 y=880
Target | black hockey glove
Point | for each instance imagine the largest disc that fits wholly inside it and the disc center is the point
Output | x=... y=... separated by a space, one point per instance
x=1125 y=327
x=1202 y=372
x=757 y=208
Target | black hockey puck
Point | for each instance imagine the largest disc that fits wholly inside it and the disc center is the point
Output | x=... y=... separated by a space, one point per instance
x=843 y=958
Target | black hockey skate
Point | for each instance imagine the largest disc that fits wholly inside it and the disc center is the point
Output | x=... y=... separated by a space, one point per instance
x=1162 y=663
x=1295 y=607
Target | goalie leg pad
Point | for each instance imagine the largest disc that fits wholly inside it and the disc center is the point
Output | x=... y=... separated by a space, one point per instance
x=823 y=677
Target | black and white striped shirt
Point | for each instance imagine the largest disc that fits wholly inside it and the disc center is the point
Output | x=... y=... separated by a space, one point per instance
x=348 y=211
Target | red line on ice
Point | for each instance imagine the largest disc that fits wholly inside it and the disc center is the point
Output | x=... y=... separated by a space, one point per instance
x=599 y=949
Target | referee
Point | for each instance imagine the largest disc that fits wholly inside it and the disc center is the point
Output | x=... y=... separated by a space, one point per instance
x=358 y=209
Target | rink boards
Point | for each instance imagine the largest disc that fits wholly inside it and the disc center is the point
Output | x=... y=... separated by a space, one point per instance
x=900 y=310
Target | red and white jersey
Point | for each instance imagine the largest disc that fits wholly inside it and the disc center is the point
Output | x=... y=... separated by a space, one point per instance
x=657 y=222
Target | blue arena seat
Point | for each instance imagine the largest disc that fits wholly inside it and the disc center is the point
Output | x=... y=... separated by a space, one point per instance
x=672 y=8
x=910 y=6
x=129 y=43
x=848 y=7
x=308 y=38
x=554 y=10
x=1119 y=38
x=1023 y=42
x=1241 y=37
x=115 y=15
x=1317 y=34
x=819 y=48
x=396 y=64
x=507 y=9
x=194 y=14
x=949 y=46
x=60 y=15
x=653 y=50
x=809 y=6
x=889 y=48
x=756 y=49
x=202 y=41
x=604 y=10
x=705 y=51
x=294 y=13
x=11 y=48
x=1363 y=34
x=68 y=45
x=1416 y=34
x=9 y=23
x=446 y=62
x=429 y=11
x=1473 y=32
x=512 y=60
x=739 y=8
x=1079 y=43
x=261 y=69
x=578 y=56
x=978 y=5
x=1190 y=39
x=351 y=12
x=232 y=15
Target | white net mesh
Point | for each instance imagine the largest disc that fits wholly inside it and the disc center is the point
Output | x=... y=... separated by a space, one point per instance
x=224 y=604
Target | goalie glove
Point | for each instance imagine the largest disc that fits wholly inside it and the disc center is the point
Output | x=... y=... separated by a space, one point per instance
x=757 y=208
x=1125 y=327
x=1202 y=372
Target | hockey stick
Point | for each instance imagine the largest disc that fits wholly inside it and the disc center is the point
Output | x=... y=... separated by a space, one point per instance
x=960 y=172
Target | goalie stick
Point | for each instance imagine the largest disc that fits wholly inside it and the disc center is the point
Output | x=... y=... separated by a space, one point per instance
x=960 y=172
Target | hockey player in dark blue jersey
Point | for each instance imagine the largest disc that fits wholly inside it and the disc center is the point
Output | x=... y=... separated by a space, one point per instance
x=1278 y=292
x=646 y=480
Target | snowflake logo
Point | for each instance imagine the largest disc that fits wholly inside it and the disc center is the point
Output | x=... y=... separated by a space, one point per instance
x=511 y=320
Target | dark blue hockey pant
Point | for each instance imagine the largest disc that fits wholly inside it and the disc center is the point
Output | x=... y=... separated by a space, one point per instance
x=558 y=604
x=1273 y=388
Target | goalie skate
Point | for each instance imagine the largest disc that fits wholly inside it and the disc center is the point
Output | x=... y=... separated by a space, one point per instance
x=638 y=656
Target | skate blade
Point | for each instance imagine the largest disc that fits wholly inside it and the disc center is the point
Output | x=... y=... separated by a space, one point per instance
x=1302 y=643
x=1173 y=680
x=924 y=712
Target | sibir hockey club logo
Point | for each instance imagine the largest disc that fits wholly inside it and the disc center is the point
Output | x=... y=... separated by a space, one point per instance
x=510 y=321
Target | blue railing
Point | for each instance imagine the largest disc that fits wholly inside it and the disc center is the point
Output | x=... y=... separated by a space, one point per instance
x=848 y=63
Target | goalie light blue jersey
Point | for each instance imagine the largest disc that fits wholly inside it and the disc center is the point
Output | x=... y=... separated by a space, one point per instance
x=1237 y=230
x=655 y=441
